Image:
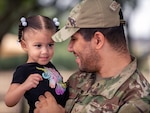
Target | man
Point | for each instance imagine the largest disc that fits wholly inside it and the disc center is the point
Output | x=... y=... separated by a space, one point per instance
x=108 y=80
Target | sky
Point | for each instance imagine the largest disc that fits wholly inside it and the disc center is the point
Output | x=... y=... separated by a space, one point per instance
x=139 y=19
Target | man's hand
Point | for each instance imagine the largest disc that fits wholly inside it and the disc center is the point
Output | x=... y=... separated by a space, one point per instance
x=48 y=104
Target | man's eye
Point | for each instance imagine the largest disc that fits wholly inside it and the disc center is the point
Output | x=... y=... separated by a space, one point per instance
x=73 y=39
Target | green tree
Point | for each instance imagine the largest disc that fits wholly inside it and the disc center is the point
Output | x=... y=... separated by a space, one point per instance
x=11 y=10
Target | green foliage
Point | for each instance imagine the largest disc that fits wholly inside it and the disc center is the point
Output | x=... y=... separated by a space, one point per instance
x=12 y=62
x=62 y=58
x=2 y=6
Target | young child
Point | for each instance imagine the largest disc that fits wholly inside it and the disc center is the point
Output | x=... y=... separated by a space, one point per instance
x=38 y=74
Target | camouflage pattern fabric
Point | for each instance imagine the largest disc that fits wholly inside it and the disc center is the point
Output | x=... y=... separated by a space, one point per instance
x=128 y=92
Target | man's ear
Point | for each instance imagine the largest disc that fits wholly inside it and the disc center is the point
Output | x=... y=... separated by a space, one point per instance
x=23 y=45
x=99 y=39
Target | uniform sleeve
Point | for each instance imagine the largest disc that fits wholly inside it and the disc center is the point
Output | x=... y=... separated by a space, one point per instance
x=137 y=106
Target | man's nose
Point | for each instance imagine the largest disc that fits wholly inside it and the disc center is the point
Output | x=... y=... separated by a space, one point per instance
x=70 y=47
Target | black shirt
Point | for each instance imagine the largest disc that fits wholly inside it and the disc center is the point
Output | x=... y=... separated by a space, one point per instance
x=23 y=72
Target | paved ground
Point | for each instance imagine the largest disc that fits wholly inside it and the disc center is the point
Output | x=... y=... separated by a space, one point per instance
x=5 y=79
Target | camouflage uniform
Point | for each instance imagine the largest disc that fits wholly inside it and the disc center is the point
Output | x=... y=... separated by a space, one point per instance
x=128 y=92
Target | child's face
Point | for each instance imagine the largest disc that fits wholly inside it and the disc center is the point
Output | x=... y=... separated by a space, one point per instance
x=39 y=45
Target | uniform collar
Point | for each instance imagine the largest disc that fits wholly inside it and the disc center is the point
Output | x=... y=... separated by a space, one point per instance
x=116 y=82
x=108 y=87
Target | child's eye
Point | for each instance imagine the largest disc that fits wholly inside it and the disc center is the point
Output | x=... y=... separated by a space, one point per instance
x=50 y=45
x=38 y=45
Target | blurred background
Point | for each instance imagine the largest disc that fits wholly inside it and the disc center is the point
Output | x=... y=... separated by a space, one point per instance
x=136 y=13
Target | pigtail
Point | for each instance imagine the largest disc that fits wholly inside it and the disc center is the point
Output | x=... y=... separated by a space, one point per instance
x=56 y=22
x=22 y=25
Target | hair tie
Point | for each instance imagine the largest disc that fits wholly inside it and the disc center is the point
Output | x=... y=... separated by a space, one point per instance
x=23 y=21
x=55 y=20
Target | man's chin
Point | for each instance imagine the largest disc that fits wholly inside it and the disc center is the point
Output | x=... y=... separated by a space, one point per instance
x=86 y=70
x=83 y=70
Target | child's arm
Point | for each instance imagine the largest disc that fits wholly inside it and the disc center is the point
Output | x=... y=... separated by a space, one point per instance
x=16 y=91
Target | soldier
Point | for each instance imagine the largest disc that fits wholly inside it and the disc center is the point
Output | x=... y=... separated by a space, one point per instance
x=108 y=80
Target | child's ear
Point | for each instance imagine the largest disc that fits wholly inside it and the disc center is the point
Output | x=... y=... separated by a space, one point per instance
x=23 y=45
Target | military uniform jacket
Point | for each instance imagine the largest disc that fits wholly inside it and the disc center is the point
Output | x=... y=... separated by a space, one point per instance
x=128 y=92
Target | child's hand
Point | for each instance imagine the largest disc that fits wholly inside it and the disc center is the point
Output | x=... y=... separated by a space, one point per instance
x=32 y=81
